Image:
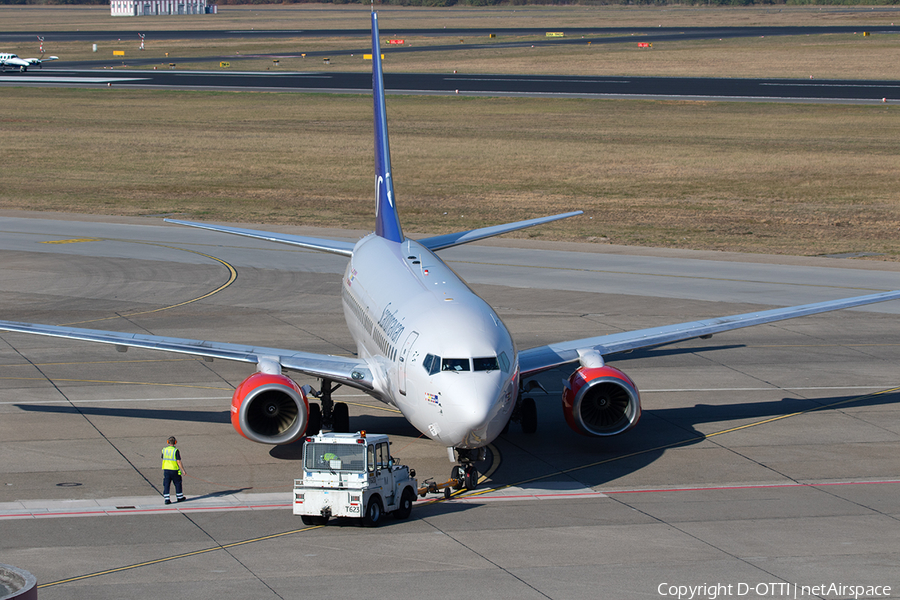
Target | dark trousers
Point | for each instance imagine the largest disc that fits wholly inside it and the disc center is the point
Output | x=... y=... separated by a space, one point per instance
x=168 y=478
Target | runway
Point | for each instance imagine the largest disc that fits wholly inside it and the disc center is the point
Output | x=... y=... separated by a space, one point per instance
x=570 y=35
x=765 y=456
x=684 y=88
x=93 y=73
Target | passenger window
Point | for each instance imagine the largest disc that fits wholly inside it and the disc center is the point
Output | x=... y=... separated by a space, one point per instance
x=455 y=364
x=485 y=364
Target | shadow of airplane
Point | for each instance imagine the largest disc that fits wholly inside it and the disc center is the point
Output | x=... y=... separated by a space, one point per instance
x=596 y=461
x=592 y=461
x=163 y=414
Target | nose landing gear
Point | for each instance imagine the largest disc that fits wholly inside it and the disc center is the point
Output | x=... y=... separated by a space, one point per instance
x=465 y=475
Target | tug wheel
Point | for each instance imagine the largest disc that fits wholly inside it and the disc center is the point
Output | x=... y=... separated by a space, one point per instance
x=374 y=512
x=406 y=503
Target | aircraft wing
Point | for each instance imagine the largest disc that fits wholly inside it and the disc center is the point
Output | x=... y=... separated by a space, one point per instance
x=464 y=237
x=546 y=357
x=322 y=245
x=350 y=371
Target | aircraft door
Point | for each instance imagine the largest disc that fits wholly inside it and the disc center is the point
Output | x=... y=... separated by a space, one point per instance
x=404 y=360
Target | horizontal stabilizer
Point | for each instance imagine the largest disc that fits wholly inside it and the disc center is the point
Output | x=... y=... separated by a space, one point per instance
x=322 y=245
x=464 y=237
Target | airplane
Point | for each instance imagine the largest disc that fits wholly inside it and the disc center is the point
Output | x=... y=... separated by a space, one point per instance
x=426 y=343
x=21 y=64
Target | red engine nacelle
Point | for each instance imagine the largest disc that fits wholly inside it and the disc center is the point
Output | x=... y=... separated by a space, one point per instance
x=269 y=409
x=601 y=401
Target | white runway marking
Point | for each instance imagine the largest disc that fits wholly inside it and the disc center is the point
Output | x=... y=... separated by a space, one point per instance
x=51 y=79
x=144 y=505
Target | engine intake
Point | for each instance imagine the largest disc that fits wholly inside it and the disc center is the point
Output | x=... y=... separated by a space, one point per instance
x=601 y=401
x=269 y=409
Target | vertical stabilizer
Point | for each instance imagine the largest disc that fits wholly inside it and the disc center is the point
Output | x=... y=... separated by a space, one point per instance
x=387 y=222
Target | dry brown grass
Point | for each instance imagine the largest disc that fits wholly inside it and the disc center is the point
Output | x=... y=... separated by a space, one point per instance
x=796 y=179
x=822 y=57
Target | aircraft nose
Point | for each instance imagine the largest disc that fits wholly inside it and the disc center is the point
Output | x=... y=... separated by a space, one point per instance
x=477 y=416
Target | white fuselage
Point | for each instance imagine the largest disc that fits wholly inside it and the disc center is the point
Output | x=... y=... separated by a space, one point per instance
x=11 y=60
x=437 y=351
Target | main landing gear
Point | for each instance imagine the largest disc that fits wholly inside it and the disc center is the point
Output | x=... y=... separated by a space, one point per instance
x=525 y=412
x=331 y=414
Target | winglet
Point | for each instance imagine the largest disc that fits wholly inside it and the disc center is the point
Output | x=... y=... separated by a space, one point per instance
x=387 y=222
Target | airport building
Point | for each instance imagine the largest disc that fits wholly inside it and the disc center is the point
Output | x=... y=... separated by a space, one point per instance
x=140 y=8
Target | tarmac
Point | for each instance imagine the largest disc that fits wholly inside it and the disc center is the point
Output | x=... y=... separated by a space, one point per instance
x=765 y=464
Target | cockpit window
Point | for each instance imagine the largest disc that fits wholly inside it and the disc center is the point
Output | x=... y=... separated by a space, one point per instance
x=485 y=364
x=455 y=364
x=504 y=362
x=432 y=363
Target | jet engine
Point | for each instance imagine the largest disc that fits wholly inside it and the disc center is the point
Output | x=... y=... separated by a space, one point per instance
x=269 y=409
x=601 y=401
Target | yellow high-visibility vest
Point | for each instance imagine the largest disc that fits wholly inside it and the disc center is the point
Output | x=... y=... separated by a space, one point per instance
x=168 y=459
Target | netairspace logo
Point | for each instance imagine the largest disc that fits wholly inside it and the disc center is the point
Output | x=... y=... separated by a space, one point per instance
x=780 y=589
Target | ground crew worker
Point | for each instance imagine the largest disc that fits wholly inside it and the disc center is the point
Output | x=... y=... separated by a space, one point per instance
x=172 y=470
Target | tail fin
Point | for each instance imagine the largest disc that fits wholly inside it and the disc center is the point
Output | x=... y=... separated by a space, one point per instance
x=387 y=222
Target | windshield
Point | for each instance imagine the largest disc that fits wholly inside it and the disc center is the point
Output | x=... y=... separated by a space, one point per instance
x=335 y=457
x=455 y=364
x=485 y=364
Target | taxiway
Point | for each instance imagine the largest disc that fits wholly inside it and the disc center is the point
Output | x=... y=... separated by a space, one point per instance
x=764 y=455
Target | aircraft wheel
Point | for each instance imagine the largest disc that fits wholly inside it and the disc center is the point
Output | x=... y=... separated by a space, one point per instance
x=314 y=426
x=471 y=477
x=458 y=474
x=341 y=418
x=529 y=416
x=374 y=511
x=406 y=503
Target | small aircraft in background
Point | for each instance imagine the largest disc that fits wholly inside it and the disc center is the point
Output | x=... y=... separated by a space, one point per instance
x=12 y=61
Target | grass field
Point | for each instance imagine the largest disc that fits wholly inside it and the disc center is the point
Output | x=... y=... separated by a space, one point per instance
x=795 y=179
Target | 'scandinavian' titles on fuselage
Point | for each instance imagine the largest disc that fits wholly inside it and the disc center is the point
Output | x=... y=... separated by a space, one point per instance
x=437 y=351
